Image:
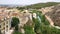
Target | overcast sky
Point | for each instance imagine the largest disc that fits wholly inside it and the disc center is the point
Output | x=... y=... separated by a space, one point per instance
x=23 y=2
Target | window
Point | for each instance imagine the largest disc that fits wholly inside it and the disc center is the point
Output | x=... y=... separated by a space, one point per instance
x=7 y=26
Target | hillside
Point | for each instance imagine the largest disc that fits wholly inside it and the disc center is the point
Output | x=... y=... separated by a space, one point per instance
x=46 y=18
x=41 y=5
x=53 y=12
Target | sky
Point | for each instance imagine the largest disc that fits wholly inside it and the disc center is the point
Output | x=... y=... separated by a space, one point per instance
x=25 y=2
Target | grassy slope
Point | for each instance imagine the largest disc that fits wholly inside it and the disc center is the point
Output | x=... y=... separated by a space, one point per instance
x=41 y=5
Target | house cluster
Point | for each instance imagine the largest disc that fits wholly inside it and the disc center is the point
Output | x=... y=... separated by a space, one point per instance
x=6 y=16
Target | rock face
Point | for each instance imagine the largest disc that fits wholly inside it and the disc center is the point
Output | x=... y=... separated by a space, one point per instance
x=53 y=13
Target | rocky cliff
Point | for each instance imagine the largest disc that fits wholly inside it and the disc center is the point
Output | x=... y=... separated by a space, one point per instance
x=52 y=14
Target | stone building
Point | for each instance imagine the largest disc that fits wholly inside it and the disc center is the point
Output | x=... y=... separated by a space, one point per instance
x=6 y=16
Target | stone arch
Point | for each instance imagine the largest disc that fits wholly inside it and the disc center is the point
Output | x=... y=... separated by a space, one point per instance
x=17 y=15
x=22 y=18
x=8 y=15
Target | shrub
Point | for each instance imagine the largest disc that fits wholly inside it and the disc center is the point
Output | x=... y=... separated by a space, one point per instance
x=17 y=32
x=29 y=29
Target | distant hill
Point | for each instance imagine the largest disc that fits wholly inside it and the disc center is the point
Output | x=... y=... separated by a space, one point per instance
x=10 y=5
x=41 y=5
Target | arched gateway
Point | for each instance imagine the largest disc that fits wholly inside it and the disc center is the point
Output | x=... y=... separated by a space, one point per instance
x=6 y=17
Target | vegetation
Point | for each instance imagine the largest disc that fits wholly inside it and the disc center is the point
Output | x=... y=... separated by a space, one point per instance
x=41 y=24
x=29 y=29
x=14 y=23
x=44 y=27
x=39 y=5
x=16 y=32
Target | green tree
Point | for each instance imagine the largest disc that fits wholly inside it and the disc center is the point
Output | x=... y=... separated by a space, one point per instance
x=15 y=22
